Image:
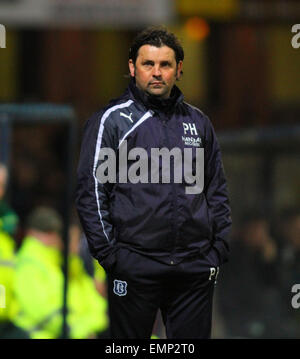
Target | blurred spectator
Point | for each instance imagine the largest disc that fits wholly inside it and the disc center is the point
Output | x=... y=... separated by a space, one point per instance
x=93 y=267
x=8 y=224
x=39 y=283
x=8 y=218
x=100 y=279
x=9 y=306
x=251 y=301
x=96 y=271
x=290 y=244
x=288 y=232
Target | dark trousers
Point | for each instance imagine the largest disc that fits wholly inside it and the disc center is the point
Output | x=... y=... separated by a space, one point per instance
x=138 y=286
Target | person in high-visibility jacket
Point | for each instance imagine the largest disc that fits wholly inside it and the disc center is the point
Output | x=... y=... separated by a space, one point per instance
x=8 y=218
x=8 y=306
x=39 y=284
x=8 y=226
x=7 y=254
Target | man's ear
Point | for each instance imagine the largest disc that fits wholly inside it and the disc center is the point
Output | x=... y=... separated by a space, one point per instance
x=131 y=68
x=179 y=69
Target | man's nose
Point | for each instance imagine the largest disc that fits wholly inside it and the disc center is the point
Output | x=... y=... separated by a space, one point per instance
x=156 y=71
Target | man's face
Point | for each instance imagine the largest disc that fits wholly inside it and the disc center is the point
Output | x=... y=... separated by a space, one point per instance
x=155 y=70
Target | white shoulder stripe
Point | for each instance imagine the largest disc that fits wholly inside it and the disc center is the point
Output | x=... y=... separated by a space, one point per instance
x=139 y=122
x=98 y=147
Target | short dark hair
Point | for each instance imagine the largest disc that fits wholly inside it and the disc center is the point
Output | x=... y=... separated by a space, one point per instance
x=45 y=219
x=156 y=36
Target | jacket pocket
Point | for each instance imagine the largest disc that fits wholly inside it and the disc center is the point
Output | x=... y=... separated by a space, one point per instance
x=213 y=257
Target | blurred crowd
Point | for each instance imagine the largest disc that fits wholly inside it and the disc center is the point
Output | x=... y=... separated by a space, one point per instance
x=254 y=290
x=253 y=293
x=32 y=270
x=32 y=277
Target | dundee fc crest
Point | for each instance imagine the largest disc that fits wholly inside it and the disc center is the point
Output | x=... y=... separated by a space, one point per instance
x=120 y=287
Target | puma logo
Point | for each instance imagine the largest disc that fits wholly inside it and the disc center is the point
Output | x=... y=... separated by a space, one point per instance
x=124 y=115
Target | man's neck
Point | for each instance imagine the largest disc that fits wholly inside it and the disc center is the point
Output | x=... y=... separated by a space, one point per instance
x=155 y=102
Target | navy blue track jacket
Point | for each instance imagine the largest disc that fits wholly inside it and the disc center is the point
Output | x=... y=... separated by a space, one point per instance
x=156 y=219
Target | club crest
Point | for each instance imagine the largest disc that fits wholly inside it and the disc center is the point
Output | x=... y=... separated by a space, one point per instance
x=120 y=287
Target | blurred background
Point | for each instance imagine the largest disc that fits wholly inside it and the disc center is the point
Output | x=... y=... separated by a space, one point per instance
x=240 y=68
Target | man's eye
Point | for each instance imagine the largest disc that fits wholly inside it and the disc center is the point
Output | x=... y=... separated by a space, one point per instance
x=165 y=64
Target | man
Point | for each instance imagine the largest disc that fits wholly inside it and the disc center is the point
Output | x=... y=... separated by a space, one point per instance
x=39 y=283
x=160 y=241
x=8 y=218
x=8 y=303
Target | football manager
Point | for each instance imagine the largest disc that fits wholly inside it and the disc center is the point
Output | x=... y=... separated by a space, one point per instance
x=161 y=242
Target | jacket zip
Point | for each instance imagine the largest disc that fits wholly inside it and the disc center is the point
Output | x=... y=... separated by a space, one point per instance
x=174 y=190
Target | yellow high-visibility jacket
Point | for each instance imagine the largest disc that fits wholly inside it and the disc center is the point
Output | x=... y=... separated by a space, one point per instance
x=39 y=290
x=8 y=305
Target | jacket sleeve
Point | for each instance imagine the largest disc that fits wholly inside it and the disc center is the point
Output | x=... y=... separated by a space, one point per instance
x=92 y=197
x=215 y=188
